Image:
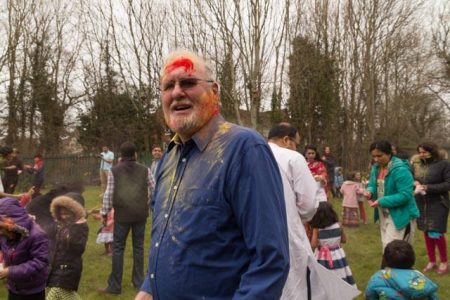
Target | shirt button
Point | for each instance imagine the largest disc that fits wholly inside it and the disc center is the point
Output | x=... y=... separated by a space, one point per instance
x=175 y=187
x=156 y=245
x=184 y=159
x=166 y=216
x=152 y=276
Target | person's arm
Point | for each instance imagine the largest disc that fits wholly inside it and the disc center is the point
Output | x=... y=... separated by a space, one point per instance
x=4 y=195
x=441 y=187
x=372 y=286
x=305 y=188
x=404 y=183
x=78 y=239
x=323 y=173
x=372 y=184
x=145 y=292
x=360 y=190
x=29 y=169
x=255 y=192
x=315 y=238
x=151 y=185
x=143 y=296
x=109 y=158
x=343 y=237
x=107 y=197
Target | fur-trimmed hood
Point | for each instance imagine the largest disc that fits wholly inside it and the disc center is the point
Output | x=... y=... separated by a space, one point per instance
x=69 y=203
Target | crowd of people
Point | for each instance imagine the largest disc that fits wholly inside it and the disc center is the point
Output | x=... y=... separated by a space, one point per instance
x=12 y=167
x=233 y=215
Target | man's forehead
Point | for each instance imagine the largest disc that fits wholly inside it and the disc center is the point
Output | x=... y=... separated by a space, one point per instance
x=183 y=62
x=187 y=64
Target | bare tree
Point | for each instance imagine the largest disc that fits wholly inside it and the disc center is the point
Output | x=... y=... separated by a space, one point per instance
x=440 y=83
x=17 y=12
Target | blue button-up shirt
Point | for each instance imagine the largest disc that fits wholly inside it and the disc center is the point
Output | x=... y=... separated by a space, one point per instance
x=219 y=221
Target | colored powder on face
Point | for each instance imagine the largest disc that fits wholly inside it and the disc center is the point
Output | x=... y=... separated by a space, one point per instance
x=182 y=62
x=216 y=110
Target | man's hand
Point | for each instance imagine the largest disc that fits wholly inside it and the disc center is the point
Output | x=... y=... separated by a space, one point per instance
x=104 y=219
x=143 y=296
x=4 y=273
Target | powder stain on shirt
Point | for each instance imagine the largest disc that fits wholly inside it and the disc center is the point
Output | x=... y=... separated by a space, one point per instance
x=224 y=128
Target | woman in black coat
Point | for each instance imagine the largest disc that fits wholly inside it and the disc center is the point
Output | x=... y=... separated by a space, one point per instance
x=432 y=175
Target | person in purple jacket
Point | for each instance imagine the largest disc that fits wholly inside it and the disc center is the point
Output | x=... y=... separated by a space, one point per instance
x=25 y=249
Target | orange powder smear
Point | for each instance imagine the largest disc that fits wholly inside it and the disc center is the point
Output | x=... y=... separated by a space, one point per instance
x=182 y=62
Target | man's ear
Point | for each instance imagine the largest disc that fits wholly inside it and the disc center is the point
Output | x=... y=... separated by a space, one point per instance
x=216 y=88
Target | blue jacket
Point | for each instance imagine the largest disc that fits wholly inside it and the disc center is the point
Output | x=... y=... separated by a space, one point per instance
x=398 y=192
x=399 y=284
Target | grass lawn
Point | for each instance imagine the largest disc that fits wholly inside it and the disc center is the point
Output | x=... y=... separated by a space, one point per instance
x=363 y=250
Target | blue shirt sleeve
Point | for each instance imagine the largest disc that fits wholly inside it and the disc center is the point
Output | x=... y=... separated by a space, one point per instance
x=258 y=203
x=145 y=287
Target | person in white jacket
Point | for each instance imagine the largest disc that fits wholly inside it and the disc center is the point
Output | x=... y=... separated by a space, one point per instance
x=307 y=279
x=300 y=197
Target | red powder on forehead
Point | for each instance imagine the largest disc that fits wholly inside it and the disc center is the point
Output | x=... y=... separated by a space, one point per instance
x=182 y=62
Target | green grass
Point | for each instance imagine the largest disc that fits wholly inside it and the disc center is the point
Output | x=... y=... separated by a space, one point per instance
x=363 y=250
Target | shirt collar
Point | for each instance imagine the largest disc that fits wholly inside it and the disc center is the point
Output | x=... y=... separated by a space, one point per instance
x=202 y=137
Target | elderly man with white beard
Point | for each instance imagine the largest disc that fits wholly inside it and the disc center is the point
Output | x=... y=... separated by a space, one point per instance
x=219 y=220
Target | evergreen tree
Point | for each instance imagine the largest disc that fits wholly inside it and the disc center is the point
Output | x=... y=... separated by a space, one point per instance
x=314 y=100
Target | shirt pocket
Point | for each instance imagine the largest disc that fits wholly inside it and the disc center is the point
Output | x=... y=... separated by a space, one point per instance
x=196 y=217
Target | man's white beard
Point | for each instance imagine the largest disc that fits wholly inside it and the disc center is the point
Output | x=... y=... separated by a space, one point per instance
x=185 y=124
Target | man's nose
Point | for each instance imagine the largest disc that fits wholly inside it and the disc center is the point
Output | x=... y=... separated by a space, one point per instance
x=177 y=91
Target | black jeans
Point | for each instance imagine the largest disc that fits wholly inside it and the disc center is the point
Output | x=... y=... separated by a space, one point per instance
x=121 y=231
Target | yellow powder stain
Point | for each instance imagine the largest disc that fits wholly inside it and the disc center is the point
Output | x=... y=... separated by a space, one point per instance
x=224 y=127
x=176 y=241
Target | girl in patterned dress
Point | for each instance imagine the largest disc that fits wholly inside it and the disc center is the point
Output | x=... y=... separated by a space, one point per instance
x=326 y=239
x=105 y=234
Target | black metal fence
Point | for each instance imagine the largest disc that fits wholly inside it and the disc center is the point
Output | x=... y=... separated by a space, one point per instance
x=64 y=169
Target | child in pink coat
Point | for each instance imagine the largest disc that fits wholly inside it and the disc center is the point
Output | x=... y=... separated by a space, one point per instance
x=350 y=190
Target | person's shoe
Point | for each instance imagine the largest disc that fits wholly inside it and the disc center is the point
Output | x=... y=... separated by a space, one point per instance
x=430 y=266
x=107 y=291
x=443 y=269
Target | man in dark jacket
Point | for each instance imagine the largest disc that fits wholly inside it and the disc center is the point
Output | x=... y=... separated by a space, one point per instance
x=128 y=190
